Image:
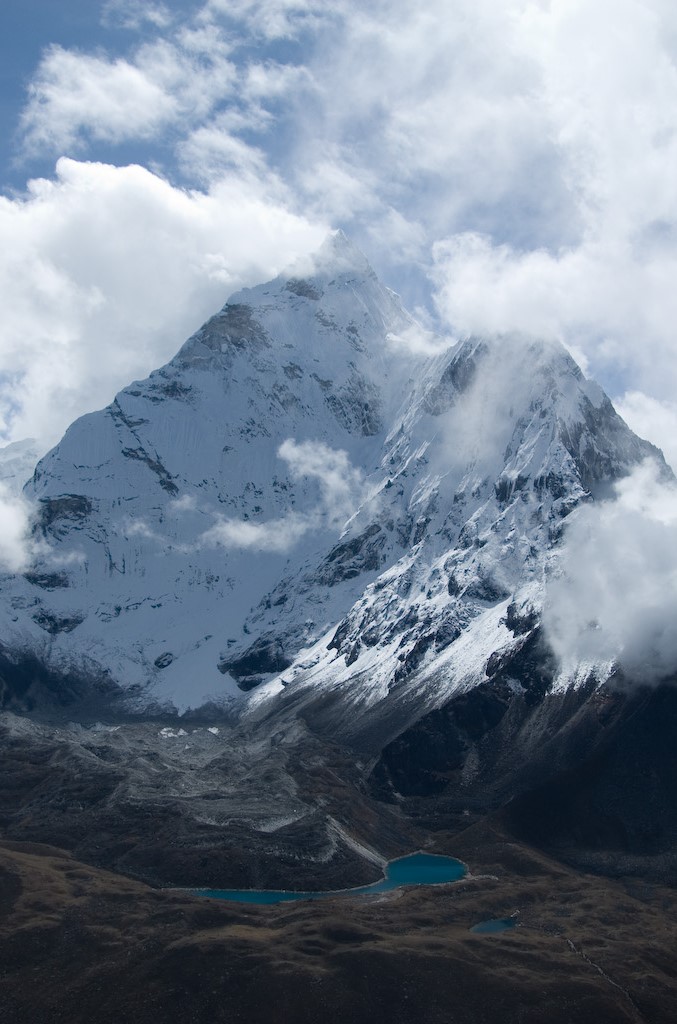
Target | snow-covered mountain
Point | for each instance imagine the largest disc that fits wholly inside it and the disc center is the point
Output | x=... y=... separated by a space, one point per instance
x=498 y=443
x=304 y=509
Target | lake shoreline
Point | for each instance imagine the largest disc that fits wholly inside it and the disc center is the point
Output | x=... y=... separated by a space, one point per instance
x=419 y=868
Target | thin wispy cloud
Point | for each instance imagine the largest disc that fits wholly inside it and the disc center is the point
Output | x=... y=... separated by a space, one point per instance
x=274 y=19
x=278 y=536
x=339 y=482
x=135 y=14
x=340 y=487
x=21 y=546
x=339 y=491
x=647 y=415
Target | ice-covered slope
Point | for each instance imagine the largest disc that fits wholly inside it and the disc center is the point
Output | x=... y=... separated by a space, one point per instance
x=295 y=480
x=498 y=443
x=171 y=512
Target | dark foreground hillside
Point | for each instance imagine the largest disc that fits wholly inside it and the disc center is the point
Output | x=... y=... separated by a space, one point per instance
x=84 y=946
x=579 y=839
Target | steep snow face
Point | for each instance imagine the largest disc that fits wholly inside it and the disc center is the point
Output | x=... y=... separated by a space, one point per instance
x=296 y=505
x=497 y=445
x=170 y=513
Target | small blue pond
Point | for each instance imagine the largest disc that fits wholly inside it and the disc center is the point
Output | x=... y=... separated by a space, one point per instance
x=417 y=869
x=500 y=924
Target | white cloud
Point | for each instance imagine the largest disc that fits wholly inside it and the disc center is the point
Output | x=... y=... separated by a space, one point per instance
x=105 y=271
x=530 y=143
x=16 y=546
x=608 y=91
x=273 y=19
x=134 y=14
x=19 y=546
x=213 y=150
x=278 y=535
x=462 y=129
x=654 y=420
x=616 y=599
x=434 y=110
x=198 y=76
x=336 y=189
x=140 y=528
x=17 y=463
x=173 y=82
x=109 y=100
x=600 y=298
x=419 y=341
x=186 y=503
x=479 y=424
x=272 y=79
x=340 y=483
x=340 y=486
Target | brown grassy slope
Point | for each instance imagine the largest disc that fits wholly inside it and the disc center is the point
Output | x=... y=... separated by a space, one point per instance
x=78 y=944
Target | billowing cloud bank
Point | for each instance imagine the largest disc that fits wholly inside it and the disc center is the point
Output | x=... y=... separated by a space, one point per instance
x=105 y=271
x=616 y=599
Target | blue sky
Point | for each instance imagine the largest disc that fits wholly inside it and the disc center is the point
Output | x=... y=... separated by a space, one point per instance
x=506 y=165
x=26 y=30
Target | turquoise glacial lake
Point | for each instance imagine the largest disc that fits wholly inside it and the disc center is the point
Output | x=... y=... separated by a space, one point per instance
x=416 y=869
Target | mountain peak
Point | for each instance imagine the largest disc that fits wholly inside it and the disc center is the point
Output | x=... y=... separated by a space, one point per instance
x=337 y=256
x=332 y=293
x=337 y=243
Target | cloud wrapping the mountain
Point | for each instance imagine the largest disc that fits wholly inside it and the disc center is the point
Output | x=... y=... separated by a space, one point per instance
x=616 y=596
x=518 y=155
x=277 y=535
x=340 y=483
x=340 y=489
x=607 y=290
x=107 y=270
x=16 y=545
x=646 y=416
